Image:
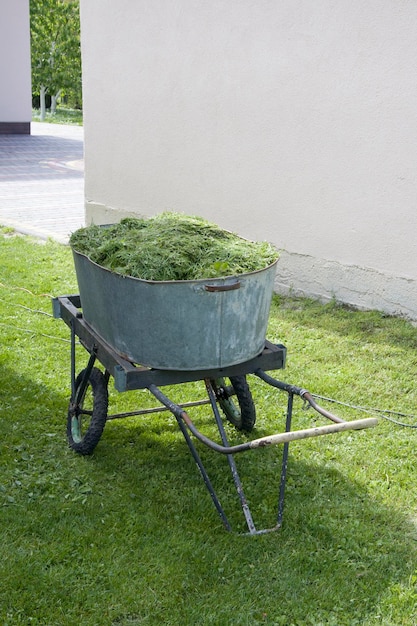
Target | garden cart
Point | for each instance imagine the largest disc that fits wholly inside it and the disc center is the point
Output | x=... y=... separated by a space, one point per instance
x=225 y=377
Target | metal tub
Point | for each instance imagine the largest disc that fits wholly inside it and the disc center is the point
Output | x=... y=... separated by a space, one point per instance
x=177 y=325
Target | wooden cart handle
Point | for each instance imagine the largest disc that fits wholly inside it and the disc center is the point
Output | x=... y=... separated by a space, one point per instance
x=270 y=440
x=369 y=422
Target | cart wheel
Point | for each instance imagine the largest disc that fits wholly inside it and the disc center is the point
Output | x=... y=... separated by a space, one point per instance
x=87 y=414
x=242 y=416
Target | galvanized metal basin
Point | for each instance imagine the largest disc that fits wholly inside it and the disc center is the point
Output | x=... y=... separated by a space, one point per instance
x=177 y=325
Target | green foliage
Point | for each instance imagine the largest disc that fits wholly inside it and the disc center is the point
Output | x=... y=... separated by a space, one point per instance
x=171 y=246
x=55 y=47
x=129 y=535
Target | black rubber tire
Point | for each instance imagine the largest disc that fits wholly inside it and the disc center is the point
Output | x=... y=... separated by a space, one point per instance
x=242 y=417
x=85 y=442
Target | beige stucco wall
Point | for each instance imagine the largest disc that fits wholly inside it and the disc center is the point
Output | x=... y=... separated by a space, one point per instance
x=288 y=121
x=15 y=70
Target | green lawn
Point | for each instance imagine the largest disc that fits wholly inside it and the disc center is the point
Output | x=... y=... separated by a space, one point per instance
x=129 y=535
x=61 y=116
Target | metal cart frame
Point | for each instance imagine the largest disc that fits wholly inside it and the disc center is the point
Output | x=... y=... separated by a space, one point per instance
x=128 y=376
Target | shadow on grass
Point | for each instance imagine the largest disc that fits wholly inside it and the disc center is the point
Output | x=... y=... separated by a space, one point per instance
x=133 y=533
x=338 y=553
x=29 y=408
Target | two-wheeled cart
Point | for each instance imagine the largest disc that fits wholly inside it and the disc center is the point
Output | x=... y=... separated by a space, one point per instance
x=224 y=385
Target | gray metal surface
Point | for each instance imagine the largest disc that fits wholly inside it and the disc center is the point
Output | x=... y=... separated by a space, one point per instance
x=178 y=325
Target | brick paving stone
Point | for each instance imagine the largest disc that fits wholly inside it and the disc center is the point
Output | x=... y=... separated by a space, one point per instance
x=42 y=181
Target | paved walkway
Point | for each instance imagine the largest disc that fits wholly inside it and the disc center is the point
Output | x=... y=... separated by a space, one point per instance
x=42 y=181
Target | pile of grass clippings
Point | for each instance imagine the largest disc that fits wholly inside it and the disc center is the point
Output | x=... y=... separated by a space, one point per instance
x=171 y=246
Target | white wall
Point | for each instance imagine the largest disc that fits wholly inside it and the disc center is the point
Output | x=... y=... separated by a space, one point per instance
x=15 y=69
x=292 y=121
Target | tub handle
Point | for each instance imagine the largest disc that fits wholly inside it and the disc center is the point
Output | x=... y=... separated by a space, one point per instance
x=230 y=287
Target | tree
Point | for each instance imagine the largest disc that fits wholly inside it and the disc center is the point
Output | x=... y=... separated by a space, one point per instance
x=55 y=49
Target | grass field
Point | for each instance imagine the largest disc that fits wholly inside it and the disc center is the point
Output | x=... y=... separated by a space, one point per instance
x=129 y=535
x=61 y=116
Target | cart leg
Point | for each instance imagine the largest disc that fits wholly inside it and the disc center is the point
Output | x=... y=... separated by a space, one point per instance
x=233 y=468
x=81 y=390
x=284 y=462
x=231 y=460
x=73 y=374
x=177 y=412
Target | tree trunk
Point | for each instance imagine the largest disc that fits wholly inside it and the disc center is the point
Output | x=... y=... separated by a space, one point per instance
x=42 y=102
x=54 y=100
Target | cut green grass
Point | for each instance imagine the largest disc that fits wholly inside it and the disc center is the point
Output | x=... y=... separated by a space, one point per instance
x=129 y=535
x=171 y=246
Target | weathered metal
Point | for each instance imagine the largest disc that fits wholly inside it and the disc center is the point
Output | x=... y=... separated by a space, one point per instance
x=177 y=325
x=129 y=376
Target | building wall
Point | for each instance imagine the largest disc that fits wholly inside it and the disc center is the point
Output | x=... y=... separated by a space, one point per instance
x=15 y=68
x=288 y=121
